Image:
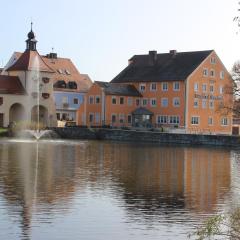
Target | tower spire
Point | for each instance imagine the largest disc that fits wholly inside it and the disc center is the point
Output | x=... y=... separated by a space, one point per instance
x=31 y=41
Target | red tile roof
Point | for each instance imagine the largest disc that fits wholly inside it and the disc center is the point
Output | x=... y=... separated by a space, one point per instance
x=65 y=70
x=65 y=64
x=11 y=85
x=27 y=61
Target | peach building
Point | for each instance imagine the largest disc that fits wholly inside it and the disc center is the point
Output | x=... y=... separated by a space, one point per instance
x=176 y=90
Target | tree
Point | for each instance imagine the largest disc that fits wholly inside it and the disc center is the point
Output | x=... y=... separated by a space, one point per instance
x=225 y=227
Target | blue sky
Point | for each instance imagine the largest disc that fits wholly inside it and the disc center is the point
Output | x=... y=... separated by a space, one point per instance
x=101 y=35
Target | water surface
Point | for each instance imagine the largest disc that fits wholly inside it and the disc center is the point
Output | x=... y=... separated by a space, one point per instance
x=105 y=190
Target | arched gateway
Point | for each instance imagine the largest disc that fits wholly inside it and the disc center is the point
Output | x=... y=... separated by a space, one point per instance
x=17 y=113
x=43 y=114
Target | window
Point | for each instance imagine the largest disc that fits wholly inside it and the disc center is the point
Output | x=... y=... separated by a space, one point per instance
x=176 y=102
x=144 y=102
x=213 y=60
x=64 y=99
x=91 y=117
x=114 y=100
x=137 y=102
x=164 y=102
x=114 y=118
x=97 y=117
x=195 y=103
x=195 y=87
x=153 y=87
x=204 y=87
x=91 y=99
x=224 y=121
x=164 y=86
x=129 y=118
x=212 y=73
x=97 y=99
x=121 y=118
x=176 y=86
x=174 y=120
x=162 y=119
x=75 y=101
x=211 y=104
x=221 y=89
x=204 y=103
x=210 y=121
x=205 y=72
x=1 y=100
x=130 y=101
x=153 y=102
x=142 y=87
x=211 y=88
x=195 y=120
x=222 y=75
x=121 y=100
x=58 y=116
x=67 y=72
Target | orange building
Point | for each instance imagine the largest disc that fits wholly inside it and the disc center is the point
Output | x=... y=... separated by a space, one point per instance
x=176 y=90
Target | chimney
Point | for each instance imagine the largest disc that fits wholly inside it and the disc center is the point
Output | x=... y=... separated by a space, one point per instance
x=173 y=52
x=52 y=55
x=152 y=57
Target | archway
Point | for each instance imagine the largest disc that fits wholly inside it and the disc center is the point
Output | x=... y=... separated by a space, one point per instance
x=17 y=113
x=43 y=115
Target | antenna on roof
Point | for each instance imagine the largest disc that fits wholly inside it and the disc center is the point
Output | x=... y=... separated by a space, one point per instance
x=52 y=49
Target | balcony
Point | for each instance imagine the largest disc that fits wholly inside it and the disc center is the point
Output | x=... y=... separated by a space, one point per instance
x=65 y=105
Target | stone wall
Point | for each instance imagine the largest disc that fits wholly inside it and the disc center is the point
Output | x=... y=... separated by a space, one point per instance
x=147 y=136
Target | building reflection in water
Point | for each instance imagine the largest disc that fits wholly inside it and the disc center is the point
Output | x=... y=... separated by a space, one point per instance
x=148 y=180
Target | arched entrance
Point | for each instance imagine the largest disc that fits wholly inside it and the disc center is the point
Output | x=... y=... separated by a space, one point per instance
x=43 y=115
x=17 y=113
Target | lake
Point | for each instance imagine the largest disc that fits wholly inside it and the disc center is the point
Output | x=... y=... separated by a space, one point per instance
x=109 y=190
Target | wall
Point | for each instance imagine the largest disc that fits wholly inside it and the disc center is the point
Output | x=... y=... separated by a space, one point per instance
x=147 y=136
x=205 y=113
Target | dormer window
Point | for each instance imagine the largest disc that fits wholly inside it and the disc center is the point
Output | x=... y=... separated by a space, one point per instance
x=213 y=60
x=72 y=85
x=60 y=71
x=67 y=72
x=45 y=80
x=60 y=84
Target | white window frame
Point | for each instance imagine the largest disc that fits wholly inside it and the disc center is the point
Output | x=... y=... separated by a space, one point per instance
x=145 y=100
x=224 y=121
x=130 y=101
x=213 y=60
x=98 y=98
x=151 y=87
x=174 y=102
x=196 y=100
x=114 y=97
x=211 y=88
x=175 y=118
x=89 y=99
x=212 y=73
x=204 y=103
x=151 y=102
x=121 y=117
x=210 y=123
x=162 y=101
x=221 y=89
x=195 y=120
x=211 y=106
x=204 y=87
x=120 y=100
x=142 y=87
x=174 y=86
x=195 y=87
x=113 y=114
x=222 y=73
x=164 y=86
x=162 y=119
x=205 y=72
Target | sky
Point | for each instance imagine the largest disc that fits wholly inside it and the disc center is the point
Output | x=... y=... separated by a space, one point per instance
x=99 y=36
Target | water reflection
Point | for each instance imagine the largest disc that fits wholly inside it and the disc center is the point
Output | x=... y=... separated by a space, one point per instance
x=151 y=184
